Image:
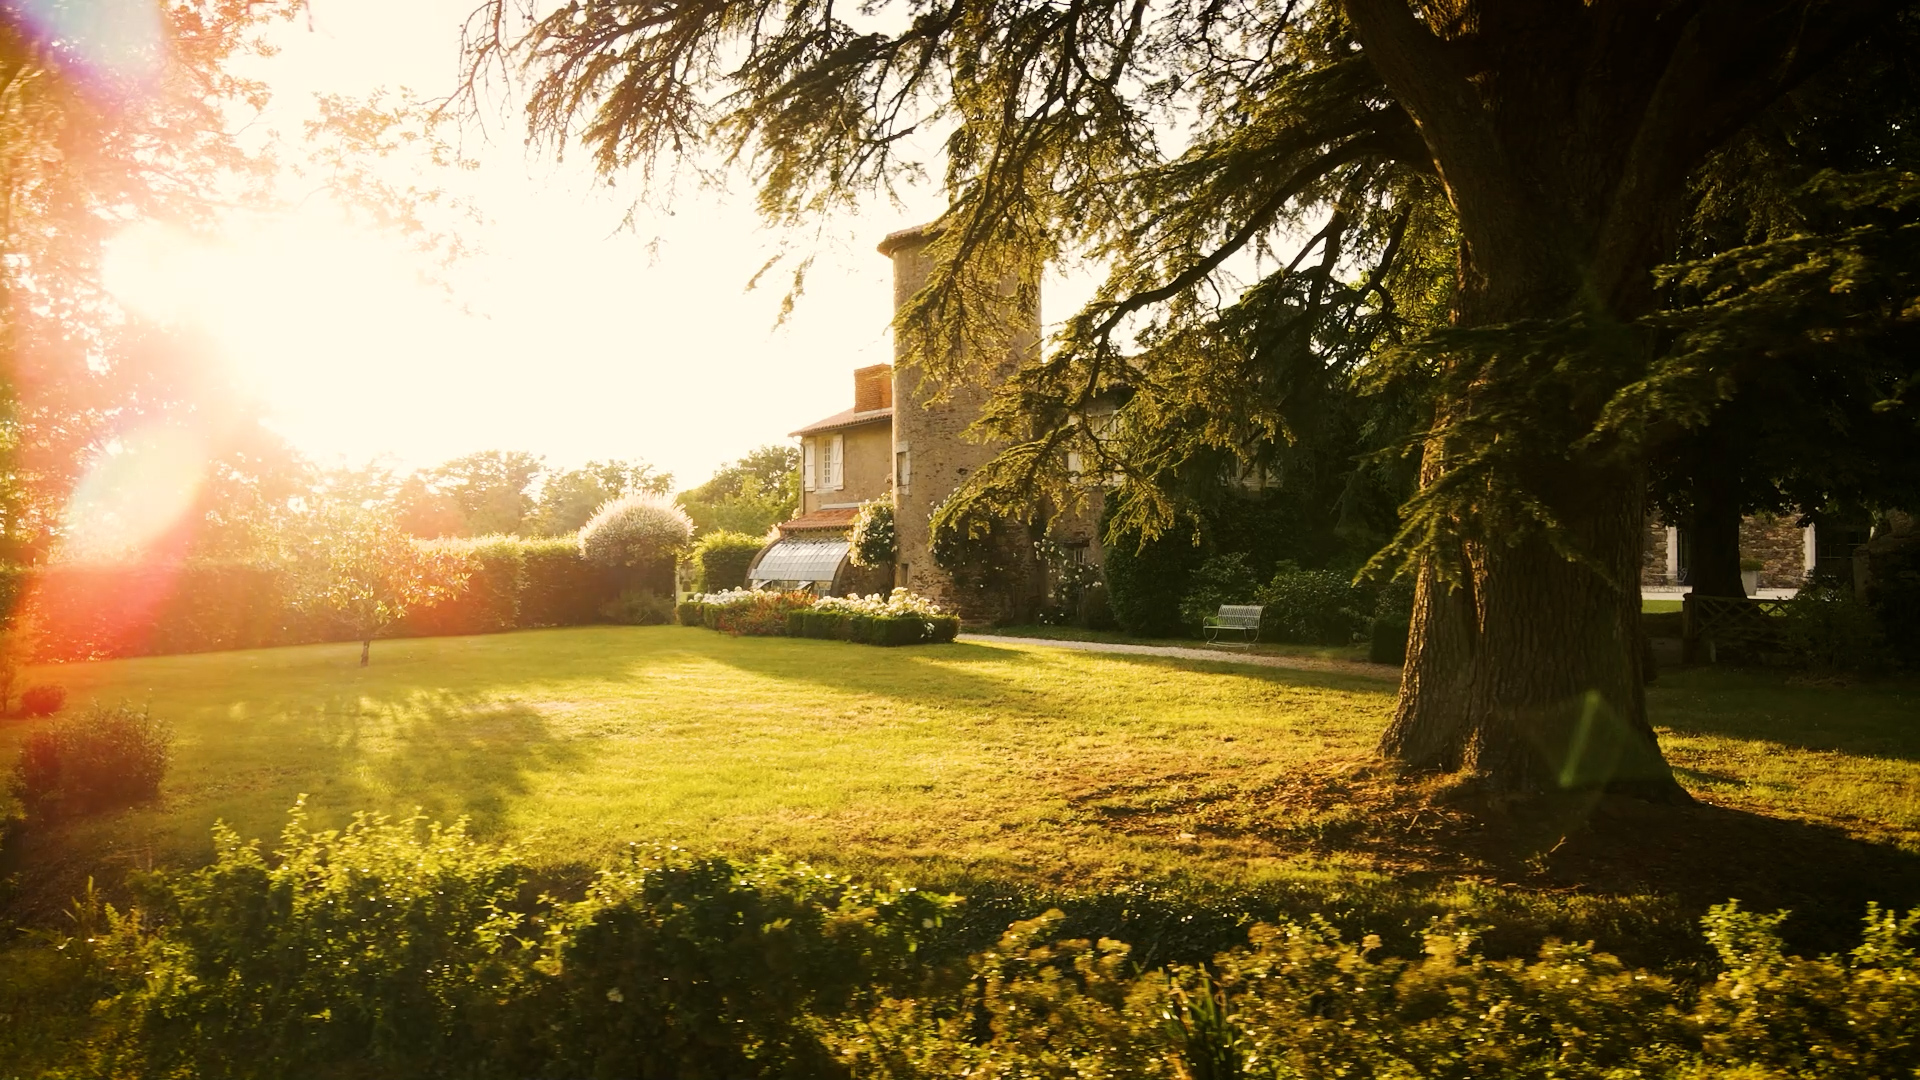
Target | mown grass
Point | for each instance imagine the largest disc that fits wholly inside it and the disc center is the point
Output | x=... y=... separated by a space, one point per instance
x=577 y=742
x=996 y=768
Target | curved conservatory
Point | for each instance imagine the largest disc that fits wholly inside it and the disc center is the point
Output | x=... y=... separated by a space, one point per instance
x=799 y=563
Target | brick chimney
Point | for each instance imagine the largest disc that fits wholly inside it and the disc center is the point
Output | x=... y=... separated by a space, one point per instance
x=873 y=388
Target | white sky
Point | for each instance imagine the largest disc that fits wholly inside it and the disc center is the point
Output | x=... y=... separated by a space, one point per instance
x=564 y=336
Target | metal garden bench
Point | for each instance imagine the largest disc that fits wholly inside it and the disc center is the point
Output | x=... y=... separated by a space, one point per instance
x=1240 y=620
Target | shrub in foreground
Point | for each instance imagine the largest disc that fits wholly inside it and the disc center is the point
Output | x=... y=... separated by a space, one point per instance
x=103 y=759
x=391 y=949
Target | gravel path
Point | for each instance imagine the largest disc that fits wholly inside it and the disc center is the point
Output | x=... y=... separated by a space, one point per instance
x=1217 y=656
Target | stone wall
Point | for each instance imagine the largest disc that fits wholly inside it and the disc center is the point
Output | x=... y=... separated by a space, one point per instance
x=931 y=439
x=866 y=470
x=1653 y=562
x=1779 y=542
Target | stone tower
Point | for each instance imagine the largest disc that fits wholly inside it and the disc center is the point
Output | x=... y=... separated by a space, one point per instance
x=932 y=455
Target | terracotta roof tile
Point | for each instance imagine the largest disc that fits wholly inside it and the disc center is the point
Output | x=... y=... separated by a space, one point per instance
x=850 y=418
x=837 y=518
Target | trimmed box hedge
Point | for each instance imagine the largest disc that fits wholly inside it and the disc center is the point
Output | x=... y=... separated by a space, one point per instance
x=881 y=630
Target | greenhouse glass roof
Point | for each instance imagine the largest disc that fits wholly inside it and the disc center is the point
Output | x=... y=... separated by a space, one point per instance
x=801 y=560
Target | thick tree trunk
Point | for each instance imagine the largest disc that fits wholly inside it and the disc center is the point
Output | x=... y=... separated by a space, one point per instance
x=1563 y=135
x=1529 y=673
x=1713 y=539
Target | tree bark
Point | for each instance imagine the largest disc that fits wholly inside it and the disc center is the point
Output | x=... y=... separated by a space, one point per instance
x=1713 y=538
x=366 y=651
x=1563 y=134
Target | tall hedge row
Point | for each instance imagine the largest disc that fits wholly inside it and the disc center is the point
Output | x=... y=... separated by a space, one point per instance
x=83 y=612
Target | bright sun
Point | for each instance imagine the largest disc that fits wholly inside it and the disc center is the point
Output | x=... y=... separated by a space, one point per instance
x=324 y=324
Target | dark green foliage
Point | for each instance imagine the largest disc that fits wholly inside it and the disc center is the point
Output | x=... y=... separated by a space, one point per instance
x=1147 y=578
x=42 y=700
x=829 y=625
x=390 y=950
x=689 y=613
x=388 y=947
x=637 y=607
x=1223 y=579
x=890 y=630
x=1316 y=607
x=720 y=560
x=1387 y=640
x=1893 y=592
x=104 y=759
x=1828 y=628
x=707 y=969
x=558 y=587
x=1663 y=624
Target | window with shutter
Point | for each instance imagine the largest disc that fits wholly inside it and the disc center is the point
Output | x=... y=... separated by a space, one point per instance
x=902 y=467
x=807 y=466
x=836 y=461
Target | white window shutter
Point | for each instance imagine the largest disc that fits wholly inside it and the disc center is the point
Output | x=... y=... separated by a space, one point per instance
x=807 y=463
x=836 y=462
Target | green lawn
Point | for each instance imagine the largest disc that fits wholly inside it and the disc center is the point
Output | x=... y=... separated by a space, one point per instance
x=982 y=761
x=576 y=742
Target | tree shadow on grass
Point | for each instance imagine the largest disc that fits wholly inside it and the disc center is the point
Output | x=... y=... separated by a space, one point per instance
x=962 y=671
x=1428 y=832
x=1870 y=719
x=448 y=755
x=911 y=673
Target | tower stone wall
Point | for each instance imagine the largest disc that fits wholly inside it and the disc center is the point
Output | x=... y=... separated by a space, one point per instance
x=933 y=454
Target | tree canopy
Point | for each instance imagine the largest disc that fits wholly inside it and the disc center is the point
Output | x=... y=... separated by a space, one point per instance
x=1462 y=205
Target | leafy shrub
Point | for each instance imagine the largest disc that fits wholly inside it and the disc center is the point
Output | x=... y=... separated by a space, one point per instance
x=1223 y=579
x=1827 y=1017
x=707 y=968
x=1826 y=627
x=636 y=531
x=721 y=559
x=1893 y=591
x=1147 y=579
x=42 y=700
x=106 y=758
x=687 y=612
x=636 y=607
x=872 y=542
x=559 y=586
x=1315 y=607
x=385 y=947
x=902 y=629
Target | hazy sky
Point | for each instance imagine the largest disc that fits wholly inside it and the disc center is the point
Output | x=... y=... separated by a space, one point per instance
x=564 y=335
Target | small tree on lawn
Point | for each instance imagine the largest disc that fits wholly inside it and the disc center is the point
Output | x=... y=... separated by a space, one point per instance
x=372 y=572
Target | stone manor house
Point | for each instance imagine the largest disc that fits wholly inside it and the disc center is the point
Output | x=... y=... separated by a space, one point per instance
x=891 y=443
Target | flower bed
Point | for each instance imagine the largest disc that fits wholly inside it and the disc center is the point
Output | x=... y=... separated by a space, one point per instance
x=900 y=618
